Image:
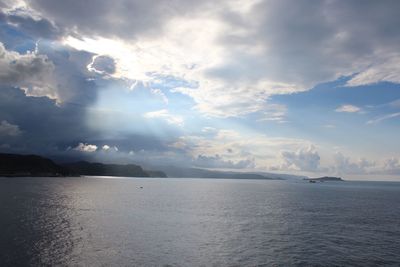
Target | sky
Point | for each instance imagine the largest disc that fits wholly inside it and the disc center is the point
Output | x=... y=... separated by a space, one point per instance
x=303 y=87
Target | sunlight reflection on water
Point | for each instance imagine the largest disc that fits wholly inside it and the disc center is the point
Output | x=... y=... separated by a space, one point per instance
x=192 y=222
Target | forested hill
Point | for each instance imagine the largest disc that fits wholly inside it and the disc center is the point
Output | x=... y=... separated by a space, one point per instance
x=30 y=165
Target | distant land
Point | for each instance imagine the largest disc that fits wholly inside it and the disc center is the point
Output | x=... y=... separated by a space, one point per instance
x=187 y=172
x=325 y=179
x=100 y=169
x=14 y=165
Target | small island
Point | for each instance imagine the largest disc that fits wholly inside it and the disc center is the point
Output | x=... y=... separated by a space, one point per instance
x=325 y=179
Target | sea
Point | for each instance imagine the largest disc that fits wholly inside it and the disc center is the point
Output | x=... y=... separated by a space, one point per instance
x=100 y=221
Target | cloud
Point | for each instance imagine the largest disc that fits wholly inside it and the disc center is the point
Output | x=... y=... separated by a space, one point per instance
x=234 y=58
x=344 y=165
x=109 y=148
x=46 y=127
x=227 y=135
x=126 y=19
x=31 y=25
x=383 y=118
x=160 y=94
x=314 y=42
x=50 y=129
x=348 y=109
x=209 y=130
x=255 y=150
x=395 y=104
x=9 y=5
x=218 y=162
x=391 y=166
x=8 y=129
x=102 y=65
x=219 y=99
x=246 y=53
x=165 y=115
x=304 y=159
x=274 y=112
x=85 y=147
x=31 y=71
x=387 y=70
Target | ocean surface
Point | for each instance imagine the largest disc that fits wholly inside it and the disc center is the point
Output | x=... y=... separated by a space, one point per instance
x=197 y=222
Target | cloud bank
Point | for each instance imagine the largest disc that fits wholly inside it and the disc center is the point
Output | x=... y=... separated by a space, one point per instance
x=201 y=82
x=237 y=54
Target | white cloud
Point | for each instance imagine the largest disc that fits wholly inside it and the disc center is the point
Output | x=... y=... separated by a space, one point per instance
x=160 y=94
x=386 y=70
x=216 y=98
x=345 y=165
x=10 y=5
x=382 y=118
x=83 y=147
x=227 y=135
x=8 y=129
x=395 y=104
x=274 y=112
x=31 y=72
x=210 y=130
x=165 y=115
x=218 y=162
x=189 y=59
x=391 y=166
x=237 y=147
x=348 y=108
x=110 y=148
x=304 y=159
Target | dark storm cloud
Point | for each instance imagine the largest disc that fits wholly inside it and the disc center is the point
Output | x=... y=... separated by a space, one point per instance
x=31 y=122
x=35 y=28
x=9 y=129
x=40 y=126
x=120 y=18
x=73 y=80
x=307 y=42
x=44 y=125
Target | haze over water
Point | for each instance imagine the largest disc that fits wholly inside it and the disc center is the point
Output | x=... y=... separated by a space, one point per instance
x=198 y=222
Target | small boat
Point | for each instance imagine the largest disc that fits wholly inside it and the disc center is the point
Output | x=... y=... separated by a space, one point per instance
x=312 y=181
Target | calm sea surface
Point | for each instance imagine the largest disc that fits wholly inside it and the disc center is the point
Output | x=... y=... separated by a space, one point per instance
x=197 y=222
